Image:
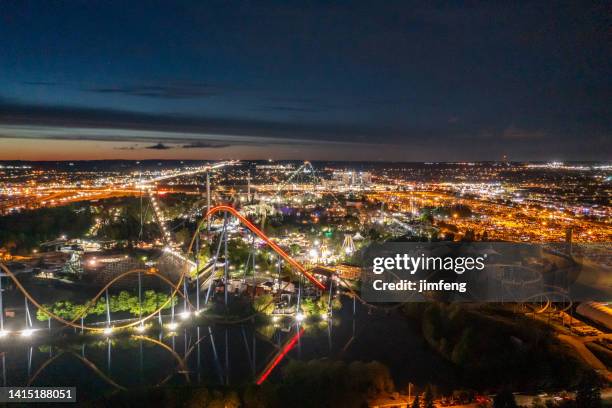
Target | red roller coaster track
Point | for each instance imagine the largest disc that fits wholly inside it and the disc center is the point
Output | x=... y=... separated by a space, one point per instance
x=266 y=239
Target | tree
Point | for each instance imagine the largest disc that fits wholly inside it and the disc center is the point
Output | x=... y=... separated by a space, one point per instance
x=504 y=399
x=42 y=316
x=588 y=394
x=416 y=403
x=264 y=304
x=123 y=302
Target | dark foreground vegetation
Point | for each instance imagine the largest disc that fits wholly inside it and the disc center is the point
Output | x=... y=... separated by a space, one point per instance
x=492 y=346
x=317 y=383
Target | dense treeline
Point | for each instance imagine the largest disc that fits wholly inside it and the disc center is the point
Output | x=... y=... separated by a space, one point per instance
x=123 y=302
x=21 y=232
x=126 y=220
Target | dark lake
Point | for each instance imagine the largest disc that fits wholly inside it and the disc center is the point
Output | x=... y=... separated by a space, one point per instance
x=212 y=354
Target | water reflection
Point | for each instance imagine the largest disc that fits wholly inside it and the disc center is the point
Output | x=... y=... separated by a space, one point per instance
x=208 y=354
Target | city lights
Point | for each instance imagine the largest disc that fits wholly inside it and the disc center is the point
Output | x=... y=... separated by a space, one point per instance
x=317 y=238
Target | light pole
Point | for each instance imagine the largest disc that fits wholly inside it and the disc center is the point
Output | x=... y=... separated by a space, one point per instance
x=409 y=389
x=197 y=262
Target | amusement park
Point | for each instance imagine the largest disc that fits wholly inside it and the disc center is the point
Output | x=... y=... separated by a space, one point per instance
x=230 y=283
x=299 y=204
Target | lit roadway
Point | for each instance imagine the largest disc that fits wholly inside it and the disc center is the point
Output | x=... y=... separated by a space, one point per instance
x=56 y=196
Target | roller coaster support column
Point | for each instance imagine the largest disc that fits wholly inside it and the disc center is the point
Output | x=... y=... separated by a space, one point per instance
x=208 y=200
x=28 y=318
x=278 y=272
x=254 y=253
x=329 y=302
x=107 y=310
x=225 y=269
x=172 y=308
x=249 y=187
x=185 y=298
x=215 y=259
x=197 y=262
x=299 y=299
x=140 y=299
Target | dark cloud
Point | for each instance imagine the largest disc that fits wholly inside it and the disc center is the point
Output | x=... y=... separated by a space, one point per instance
x=40 y=83
x=134 y=147
x=205 y=145
x=14 y=113
x=159 y=146
x=178 y=91
x=296 y=109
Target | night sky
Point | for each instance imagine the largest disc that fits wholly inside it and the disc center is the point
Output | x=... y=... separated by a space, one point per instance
x=376 y=80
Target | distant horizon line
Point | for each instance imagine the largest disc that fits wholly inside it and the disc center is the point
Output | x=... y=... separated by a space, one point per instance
x=303 y=160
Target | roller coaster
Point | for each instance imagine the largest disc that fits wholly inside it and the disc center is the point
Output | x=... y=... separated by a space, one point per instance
x=175 y=287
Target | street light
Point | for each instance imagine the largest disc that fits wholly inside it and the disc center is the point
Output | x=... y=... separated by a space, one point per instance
x=314 y=254
x=27 y=333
